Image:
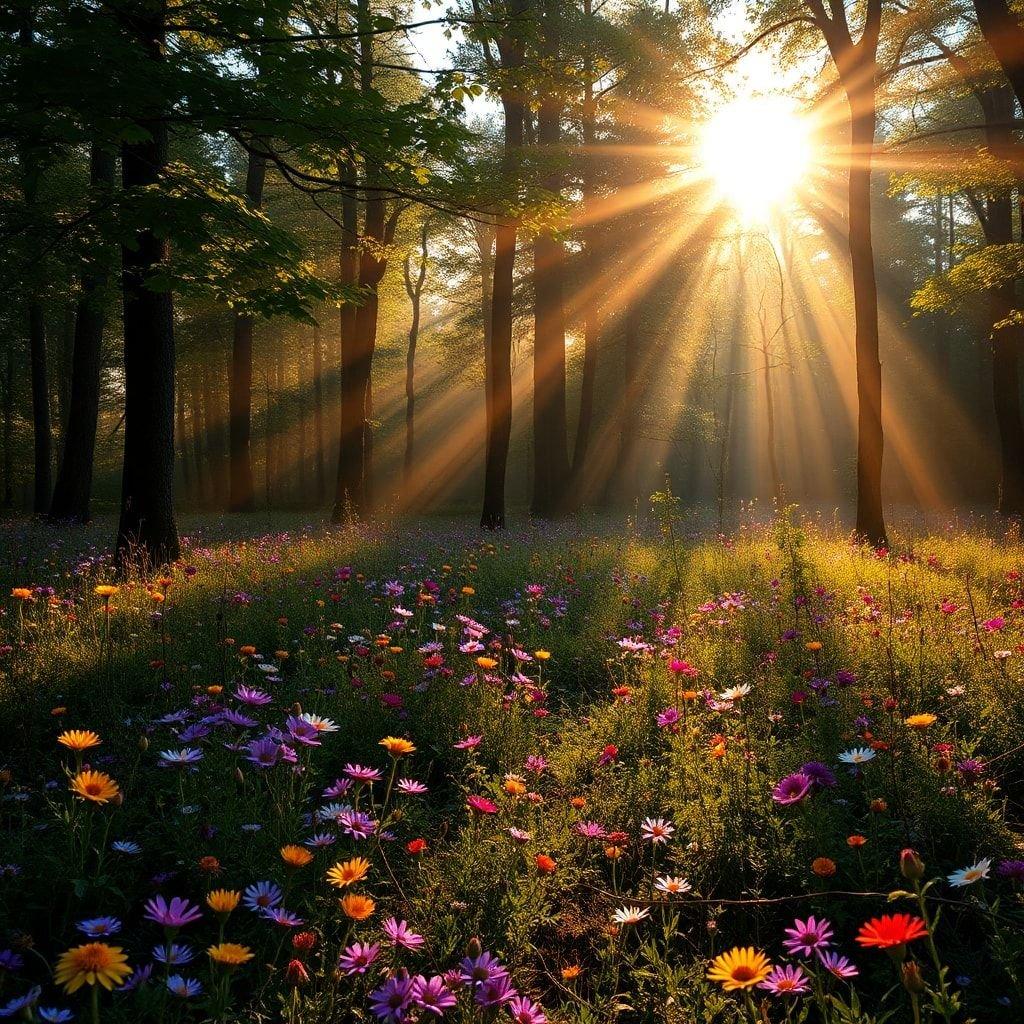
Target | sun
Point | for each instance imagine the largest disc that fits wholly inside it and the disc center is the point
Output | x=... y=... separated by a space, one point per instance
x=755 y=153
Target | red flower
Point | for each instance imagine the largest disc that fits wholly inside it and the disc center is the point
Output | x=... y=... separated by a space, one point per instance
x=303 y=942
x=416 y=846
x=545 y=864
x=891 y=930
x=296 y=973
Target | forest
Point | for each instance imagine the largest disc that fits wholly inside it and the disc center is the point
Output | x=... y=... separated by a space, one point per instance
x=510 y=511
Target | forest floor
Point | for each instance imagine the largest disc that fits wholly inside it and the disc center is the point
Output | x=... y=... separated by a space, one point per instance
x=583 y=772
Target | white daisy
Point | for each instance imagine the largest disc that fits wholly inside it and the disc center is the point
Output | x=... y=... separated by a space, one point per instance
x=735 y=693
x=672 y=886
x=657 y=830
x=630 y=915
x=975 y=873
x=859 y=755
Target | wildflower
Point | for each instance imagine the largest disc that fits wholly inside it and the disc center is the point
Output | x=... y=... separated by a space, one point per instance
x=93 y=963
x=183 y=988
x=919 y=722
x=739 y=968
x=786 y=981
x=820 y=774
x=808 y=937
x=105 y=590
x=857 y=756
x=348 y=872
x=856 y=841
x=175 y=953
x=657 y=830
x=525 y=1011
x=175 y=914
x=1012 y=869
x=223 y=901
x=295 y=856
x=481 y=805
x=390 y=1002
x=296 y=974
x=823 y=867
x=672 y=886
x=482 y=967
x=355 y=959
x=837 y=965
x=911 y=865
x=356 y=906
x=469 y=743
x=55 y=1015
x=410 y=787
x=590 y=830
x=360 y=773
x=891 y=931
x=494 y=992
x=95 y=927
x=792 y=789
x=669 y=718
x=416 y=847
x=284 y=918
x=96 y=787
x=187 y=757
x=21 y=1004
x=397 y=747
x=545 y=865
x=79 y=739
x=735 y=693
x=970 y=875
x=230 y=954
x=262 y=895
x=126 y=846
x=400 y=934
x=22 y=593
x=630 y=915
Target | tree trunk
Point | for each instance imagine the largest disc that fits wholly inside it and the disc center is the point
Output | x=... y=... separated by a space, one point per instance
x=40 y=408
x=414 y=289
x=147 y=528
x=870 y=519
x=499 y=384
x=8 y=426
x=351 y=396
x=1005 y=35
x=242 y=495
x=73 y=490
x=318 y=415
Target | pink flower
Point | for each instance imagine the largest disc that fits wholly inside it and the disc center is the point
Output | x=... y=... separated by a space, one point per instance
x=481 y=805
x=995 y=624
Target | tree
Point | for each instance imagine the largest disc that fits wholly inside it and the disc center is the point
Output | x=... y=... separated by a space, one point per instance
x=414 y=289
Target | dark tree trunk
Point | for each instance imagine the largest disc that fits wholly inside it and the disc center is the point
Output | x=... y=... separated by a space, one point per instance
x=351 y=397
x=318 y=415
x=147 y=528
x=40 y=408
x=242 y=495
x=997 y=224
x=870 y=519
x=1005 y=35
x=414 y=289
x=499 y=383
x=73 y=489
x=8 y=426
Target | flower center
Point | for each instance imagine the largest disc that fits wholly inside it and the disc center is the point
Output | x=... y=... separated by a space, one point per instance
x=742 y=973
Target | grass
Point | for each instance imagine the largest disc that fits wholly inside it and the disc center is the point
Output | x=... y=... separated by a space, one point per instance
x=617 y=722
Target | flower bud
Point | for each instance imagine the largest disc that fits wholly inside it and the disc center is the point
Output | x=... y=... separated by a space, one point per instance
x=912 y=980
x=296 y=973
x=474 y=948
x=143 y=743
x=911 y=865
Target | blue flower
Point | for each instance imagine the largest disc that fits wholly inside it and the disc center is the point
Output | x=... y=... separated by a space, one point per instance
x=261 y=896
x=55 y=1014
x=16 y=1005
x=94 y=927
x=126 y=846
x=185 y=988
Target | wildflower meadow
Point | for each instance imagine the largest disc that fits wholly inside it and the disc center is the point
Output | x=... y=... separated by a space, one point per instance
x=569 y=774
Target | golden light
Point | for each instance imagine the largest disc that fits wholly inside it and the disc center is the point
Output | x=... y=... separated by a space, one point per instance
x=755 y=152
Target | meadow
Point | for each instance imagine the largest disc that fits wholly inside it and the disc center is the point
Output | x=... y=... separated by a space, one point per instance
x=577 y=773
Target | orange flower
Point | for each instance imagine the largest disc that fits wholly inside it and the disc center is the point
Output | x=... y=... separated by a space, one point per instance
x=79 y=739
x=546 y=865
x=210 y=865
x=919 y=722
x=396 y=746
x=823 y=867
x=22 y=593
x=486 y=663
x=223 y=901
x=855 y=841
x=356 y=906
x=295 y=856
x=348 y=872
x=514 y=785
x=96 y=787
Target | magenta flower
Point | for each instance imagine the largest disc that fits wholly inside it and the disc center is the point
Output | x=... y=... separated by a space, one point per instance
x=494 y=992
x=391 y=1001
x=590 y=829
x=481 y=805
x=525 y=1011
x=433 y=995
x=668 y=718
x=355 y=959
x=792 y=789
x=469 y=743
x=360 y=773
x=483 y=968
x=175 y=914
x=411 y=787
x=837 y=965
x=401 y=934
x=787 y=981
x=808 y=937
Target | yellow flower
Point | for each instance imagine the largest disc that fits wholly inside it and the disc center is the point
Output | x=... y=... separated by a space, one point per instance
x=542 y=655
x=356 y=906
x=230 y=954
x=78 y=739
x=813 y=645
x=397 y=747
x=223 y=901
x=468 y=591
x=96 y=787
x=92 y=963
x=295 y=856
x=22 y=593
x=739 y=968
x=105 y=590
x=347 y=872
x=921 y=721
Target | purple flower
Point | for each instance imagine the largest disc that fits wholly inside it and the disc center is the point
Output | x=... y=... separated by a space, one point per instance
x=786 y=981
x=94 y=927
x=432 y=995
x=360 y=773
x=482 y=968
x=971 y=769
x=1012 y=869
x=668 y=718
x=282 y=917
x=11 y=961
x=410 y=787
x=302 y=731
x=391 y=1001
x=357 y=824
x=262 y=896
x=401 y=934
x=820 y=774
x=808 y=937
x=590 y=830
x=495 y=992
x=355 y=959
x=837 y=965
x=251 y=696
x=264 y=752
x=175 y=914
x=525 y=1011
x=338 y=788
x=174 y=954
x=792 y=789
